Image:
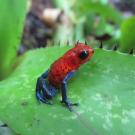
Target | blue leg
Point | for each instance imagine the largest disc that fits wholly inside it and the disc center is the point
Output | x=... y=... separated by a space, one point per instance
x=44 y=92
x=64 y=91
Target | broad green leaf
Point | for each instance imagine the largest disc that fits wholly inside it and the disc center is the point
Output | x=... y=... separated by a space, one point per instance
x=127 y=39
x=12 y=14
x=104 y=87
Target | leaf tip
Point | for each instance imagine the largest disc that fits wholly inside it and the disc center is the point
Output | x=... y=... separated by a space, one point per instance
x=115 y=48
x=86 y=42
x=131 y=51
x=101 y=45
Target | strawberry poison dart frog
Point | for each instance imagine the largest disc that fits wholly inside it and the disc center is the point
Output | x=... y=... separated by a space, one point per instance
x=57 y=76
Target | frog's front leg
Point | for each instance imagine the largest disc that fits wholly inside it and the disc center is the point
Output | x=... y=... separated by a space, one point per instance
x=44 y=92
x=64 y=91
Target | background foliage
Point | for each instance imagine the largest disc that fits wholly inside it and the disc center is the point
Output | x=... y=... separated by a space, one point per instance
x=11 y=22
x=106 y=96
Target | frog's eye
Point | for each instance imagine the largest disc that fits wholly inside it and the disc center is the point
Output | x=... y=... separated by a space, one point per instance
x=83 y=55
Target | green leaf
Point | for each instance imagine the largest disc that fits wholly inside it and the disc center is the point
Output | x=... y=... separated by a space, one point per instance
x=68 y=34
x=12 y=14
x=105 y=10
x=127 y=39
x=104 y=87
x=98 y=26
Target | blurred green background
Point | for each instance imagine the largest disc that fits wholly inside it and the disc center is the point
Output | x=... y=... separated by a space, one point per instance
x=40 y=23
x=34 y=33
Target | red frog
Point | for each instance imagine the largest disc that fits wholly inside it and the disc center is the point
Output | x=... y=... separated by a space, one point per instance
x=60 y=72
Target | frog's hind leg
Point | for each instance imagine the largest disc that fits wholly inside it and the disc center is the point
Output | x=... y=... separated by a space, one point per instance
x=44 y=92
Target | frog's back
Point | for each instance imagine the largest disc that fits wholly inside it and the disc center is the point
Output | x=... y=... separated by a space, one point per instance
x=58 y=70
x=70 y=61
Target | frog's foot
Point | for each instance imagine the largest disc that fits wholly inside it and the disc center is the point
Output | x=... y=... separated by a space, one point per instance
x=69 y=104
